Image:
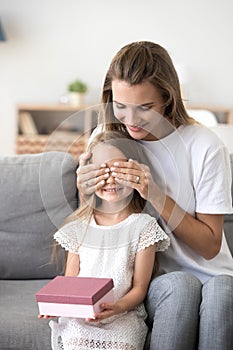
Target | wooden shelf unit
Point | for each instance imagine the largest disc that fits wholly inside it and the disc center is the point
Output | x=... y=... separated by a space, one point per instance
x=224 y=115
x=58 y=127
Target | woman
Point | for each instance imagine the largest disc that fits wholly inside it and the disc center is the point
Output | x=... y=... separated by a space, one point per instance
x=190 y=303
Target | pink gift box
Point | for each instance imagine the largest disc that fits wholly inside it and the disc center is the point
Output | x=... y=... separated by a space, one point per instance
x=74 y=296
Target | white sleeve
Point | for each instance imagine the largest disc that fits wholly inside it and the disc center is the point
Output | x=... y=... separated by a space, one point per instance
x=152 y=234
x=68 y=238
x=212 y=182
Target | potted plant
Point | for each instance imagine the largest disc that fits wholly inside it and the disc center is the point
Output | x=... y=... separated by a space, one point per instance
x=77 y=90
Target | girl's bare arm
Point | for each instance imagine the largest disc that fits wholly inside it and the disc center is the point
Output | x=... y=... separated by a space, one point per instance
x=72 y=265
x=144 y=263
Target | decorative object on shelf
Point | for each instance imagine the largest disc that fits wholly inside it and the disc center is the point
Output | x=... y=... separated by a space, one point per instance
x=54 y=127
x=2 y=33
x=77 y=90
x=26 y=124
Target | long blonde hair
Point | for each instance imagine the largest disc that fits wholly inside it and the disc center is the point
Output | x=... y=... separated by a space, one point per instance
x=136 y=63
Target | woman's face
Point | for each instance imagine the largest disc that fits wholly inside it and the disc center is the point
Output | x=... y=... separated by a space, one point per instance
x=139 y=107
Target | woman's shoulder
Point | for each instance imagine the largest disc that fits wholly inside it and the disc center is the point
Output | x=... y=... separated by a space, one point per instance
x=198 y=131
x=197 y=136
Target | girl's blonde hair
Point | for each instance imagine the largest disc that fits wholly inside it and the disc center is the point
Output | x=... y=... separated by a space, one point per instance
x=131 y=149
x=136 y=63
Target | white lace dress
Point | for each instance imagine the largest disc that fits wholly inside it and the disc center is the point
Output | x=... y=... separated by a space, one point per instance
x=108 y=251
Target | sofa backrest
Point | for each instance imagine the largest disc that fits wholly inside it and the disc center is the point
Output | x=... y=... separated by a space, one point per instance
x=37 y=192
x=228 y=219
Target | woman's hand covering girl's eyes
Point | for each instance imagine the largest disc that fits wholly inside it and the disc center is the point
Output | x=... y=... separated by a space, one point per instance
x=134 y=175
x=90 y=177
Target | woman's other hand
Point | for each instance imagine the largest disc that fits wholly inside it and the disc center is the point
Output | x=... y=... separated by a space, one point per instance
x=90 y=177
x=134 y=175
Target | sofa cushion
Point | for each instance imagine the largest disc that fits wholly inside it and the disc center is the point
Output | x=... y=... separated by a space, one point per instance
x=20 y=328
x=37 y=192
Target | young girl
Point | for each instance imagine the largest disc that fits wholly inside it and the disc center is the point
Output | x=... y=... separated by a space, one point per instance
x=190 y=304
x=111 y=237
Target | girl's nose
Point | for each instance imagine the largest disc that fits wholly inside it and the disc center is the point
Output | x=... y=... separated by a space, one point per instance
x=110 y=179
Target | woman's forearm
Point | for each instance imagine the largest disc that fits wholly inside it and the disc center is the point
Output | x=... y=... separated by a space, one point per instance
x=202 y=233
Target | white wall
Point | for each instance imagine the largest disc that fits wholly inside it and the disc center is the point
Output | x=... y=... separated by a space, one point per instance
x=50 y=42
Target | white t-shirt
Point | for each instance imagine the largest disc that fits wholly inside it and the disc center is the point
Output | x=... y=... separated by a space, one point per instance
x=192 y=166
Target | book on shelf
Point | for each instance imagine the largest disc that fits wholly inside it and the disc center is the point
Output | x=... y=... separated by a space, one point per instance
x=27 y=124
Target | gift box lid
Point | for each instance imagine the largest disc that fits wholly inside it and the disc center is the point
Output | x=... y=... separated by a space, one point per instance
x=74 y=290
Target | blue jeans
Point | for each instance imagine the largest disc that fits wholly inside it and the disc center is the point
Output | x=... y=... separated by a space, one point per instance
x=186 y=315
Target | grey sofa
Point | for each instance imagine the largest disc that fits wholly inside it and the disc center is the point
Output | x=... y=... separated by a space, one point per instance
x=37 y=192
